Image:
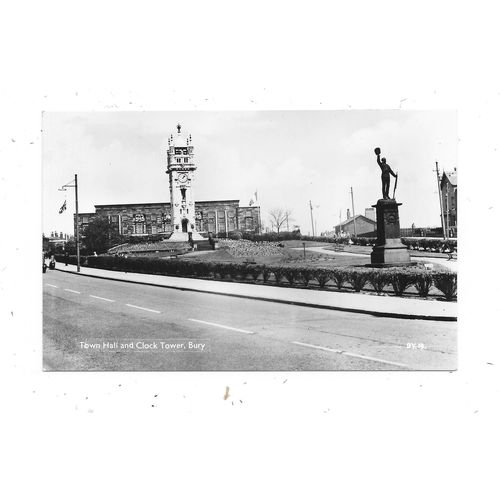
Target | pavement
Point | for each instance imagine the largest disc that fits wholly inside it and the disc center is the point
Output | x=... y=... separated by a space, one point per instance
x=382 y=306
x=96 y=324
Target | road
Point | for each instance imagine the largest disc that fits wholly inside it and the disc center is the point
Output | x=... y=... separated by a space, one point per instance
x=97 y=324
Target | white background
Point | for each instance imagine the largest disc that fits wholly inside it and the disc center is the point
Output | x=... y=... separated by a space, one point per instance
x=278 y=435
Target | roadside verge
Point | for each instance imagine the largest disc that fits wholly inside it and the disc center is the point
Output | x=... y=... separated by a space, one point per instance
x=382 y=306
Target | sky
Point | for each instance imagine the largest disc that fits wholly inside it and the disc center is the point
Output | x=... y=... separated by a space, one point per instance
x=288 y=157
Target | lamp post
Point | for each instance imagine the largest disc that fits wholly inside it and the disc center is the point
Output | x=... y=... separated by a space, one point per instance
x=77 y=227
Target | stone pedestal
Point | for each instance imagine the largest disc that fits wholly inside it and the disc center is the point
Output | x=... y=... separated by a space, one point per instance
x=389 y=250
x=180 y=236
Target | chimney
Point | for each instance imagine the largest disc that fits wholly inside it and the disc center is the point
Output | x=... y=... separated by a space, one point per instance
x=370 y=213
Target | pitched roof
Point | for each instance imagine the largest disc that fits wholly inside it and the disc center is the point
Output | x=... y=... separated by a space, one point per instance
x=350 y=219
x=451 y=176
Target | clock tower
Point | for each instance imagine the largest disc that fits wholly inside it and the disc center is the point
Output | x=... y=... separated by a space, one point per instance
x=180 y=170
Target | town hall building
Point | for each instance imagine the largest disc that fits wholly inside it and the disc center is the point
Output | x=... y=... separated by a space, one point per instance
x=182 y=217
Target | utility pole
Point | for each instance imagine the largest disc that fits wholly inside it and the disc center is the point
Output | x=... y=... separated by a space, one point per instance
x=440 y=201
x=312 y=221
x=353 y=212
x=447 y=214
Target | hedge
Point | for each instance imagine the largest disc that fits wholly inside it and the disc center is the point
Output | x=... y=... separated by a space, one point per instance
x=446 y=283
x=400 y=278
x=433 y=245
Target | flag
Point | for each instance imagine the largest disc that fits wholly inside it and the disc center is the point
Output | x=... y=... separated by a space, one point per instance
x=63 y=208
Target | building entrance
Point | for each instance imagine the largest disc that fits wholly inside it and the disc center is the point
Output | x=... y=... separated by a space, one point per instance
x=184 y=225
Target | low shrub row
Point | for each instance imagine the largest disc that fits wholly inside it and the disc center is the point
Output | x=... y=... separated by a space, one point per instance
x=362 y=241
x=433 y=245
x=400 y=279
x=326 y=239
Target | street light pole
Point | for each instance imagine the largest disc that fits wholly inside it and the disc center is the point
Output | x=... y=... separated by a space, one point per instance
x=77 y=227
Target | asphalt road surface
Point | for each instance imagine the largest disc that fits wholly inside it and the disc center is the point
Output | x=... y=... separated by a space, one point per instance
x=96 y=324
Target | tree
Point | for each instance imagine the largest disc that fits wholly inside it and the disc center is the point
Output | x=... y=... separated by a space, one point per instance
x=278 y=217
x=100 y=235
x=70 y=247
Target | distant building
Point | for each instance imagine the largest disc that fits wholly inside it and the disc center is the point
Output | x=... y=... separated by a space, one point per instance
x=55 y=242
x=449 y=202
x=364 y=226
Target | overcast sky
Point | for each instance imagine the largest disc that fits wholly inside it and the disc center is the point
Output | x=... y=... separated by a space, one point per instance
x=289 y=157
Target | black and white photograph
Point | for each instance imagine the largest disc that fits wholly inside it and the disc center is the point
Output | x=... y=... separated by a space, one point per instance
x=256 y=280
x=252 y=240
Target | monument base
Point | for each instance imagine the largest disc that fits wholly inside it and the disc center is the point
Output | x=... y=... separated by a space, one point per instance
x=389 y=250
x=180 y=236
x=392 y=253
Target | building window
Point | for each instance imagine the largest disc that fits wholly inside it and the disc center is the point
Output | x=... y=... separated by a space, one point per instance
x=85 y=220
x=139 y=228
x=186 y=160
x=178 y=160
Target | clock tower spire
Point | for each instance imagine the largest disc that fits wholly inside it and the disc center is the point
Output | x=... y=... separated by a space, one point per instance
x=180 y=170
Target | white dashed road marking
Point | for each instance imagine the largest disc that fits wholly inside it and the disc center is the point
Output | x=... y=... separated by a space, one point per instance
x=72 y=291
x=144 y=308
x=353 y=355
x=101 y=298
x=53 y=286
x=221 y=326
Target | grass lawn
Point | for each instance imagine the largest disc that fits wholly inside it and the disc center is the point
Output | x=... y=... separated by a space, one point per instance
x=291 y=254
x=288 y=256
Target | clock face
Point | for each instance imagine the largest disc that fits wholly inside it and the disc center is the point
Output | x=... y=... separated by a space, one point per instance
x=183 y=178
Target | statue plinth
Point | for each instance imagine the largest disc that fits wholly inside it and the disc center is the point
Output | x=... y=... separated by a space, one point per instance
x=183 y=236
x=389 y=250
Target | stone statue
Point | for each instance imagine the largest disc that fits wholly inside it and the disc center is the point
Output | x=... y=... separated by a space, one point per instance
x=386 y=173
